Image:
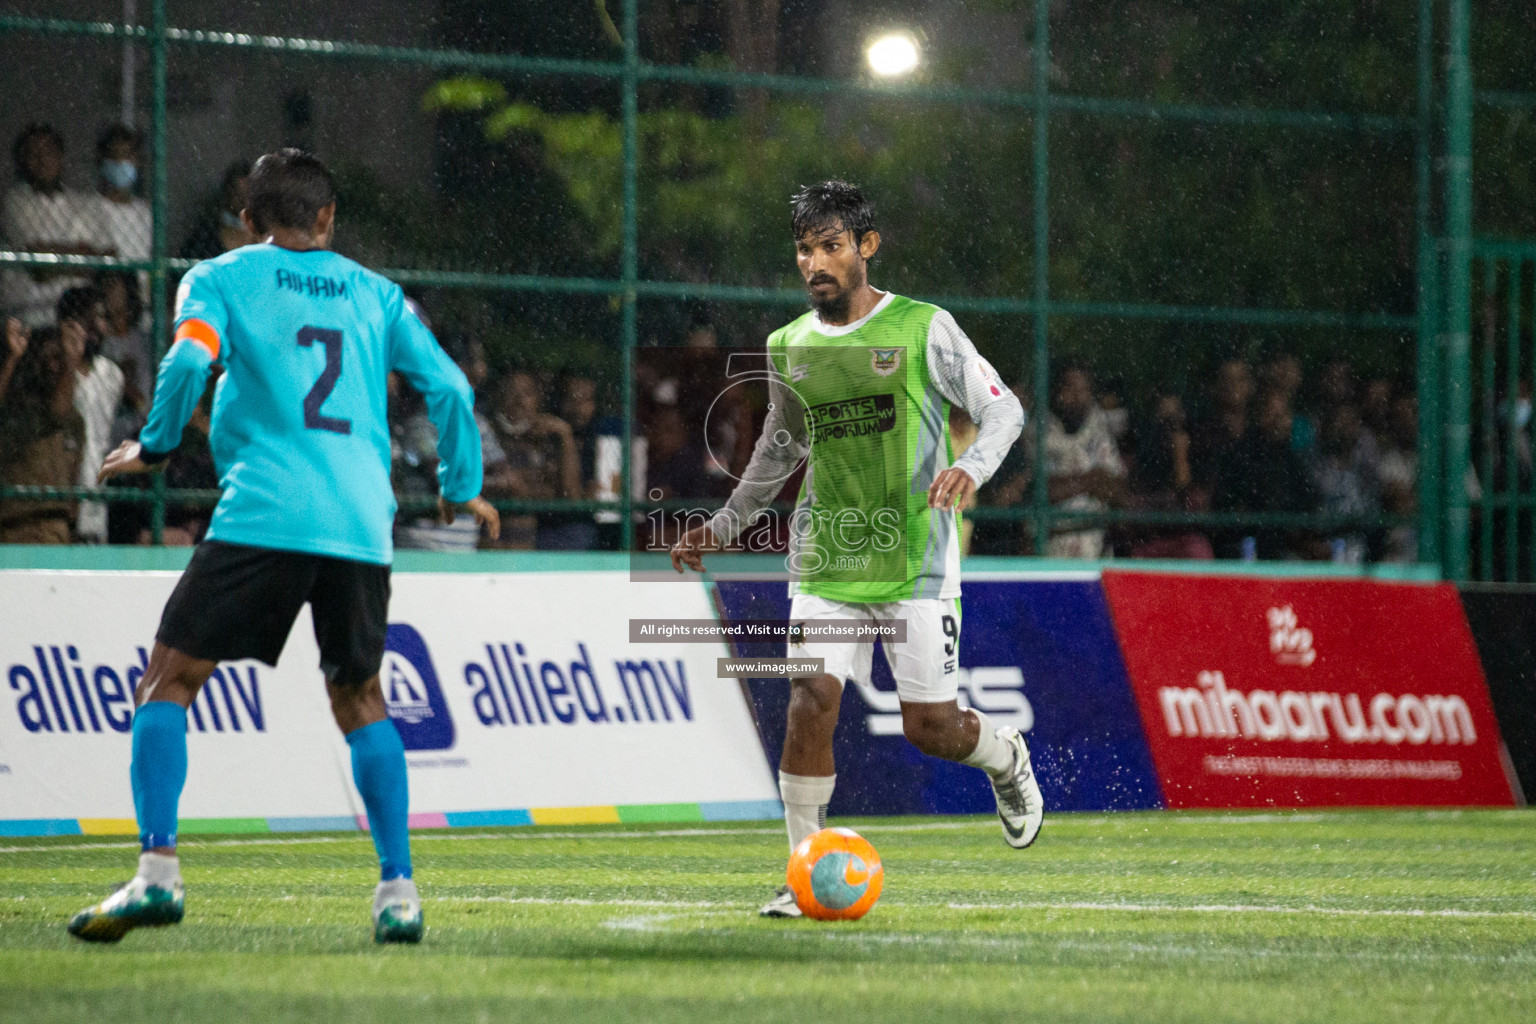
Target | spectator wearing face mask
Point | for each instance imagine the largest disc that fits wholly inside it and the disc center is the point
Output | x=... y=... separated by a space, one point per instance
x=127 y=217
x=219 y=228
x=41 y=215
x=83 y=323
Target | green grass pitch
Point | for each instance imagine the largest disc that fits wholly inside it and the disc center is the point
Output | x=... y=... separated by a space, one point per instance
x=1337 y=917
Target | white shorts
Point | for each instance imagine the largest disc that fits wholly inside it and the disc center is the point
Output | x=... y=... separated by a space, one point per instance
x=925 y=666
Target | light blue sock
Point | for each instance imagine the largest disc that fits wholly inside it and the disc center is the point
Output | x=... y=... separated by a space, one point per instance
x=378 y=768
x=159 y=769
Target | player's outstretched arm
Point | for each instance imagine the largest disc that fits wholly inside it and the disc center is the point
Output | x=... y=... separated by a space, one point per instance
x=969 y=381
x=950 y=489
x=182 y=380
x=690 y=548
x=451 y=408
x=781 y=447
x=124 y=460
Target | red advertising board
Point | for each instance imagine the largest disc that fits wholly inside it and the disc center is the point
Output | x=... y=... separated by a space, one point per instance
x=1266 y=692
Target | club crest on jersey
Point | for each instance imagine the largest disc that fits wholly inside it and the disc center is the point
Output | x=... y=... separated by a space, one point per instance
x=885 y=361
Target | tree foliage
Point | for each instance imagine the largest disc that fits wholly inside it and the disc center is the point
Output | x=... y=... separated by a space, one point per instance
x=1141 y=210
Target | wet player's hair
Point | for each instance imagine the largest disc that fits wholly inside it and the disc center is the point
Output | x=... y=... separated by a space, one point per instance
x=817 y=207
x=288 y=189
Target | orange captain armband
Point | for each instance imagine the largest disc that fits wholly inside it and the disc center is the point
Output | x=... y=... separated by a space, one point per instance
x=202 y=332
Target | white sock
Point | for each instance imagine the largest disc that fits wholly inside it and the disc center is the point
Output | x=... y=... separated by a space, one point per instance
x=159 y=869
x=805 y=804
x=395 y=890
x=992 y=754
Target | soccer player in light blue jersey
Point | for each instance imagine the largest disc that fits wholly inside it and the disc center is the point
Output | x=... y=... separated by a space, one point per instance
x=306 y=338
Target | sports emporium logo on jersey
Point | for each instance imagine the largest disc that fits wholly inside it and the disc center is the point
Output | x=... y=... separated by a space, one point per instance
x=884 y=361
x=990 y=377
x=411 y=692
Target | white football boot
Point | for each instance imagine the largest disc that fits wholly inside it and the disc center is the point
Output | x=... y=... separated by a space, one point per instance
x=397 y=912
x=137 y=904
x=1019 y=803
x=782 y=905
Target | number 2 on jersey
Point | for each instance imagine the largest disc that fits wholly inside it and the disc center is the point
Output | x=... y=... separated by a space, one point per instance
x=313 y=418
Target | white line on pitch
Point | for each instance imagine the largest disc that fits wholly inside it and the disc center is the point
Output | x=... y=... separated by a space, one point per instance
x=1041 y=905
x=1243 y=908
x=579 y=901
x=989 y=942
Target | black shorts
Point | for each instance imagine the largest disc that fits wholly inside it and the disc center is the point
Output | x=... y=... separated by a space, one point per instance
x=235 y=601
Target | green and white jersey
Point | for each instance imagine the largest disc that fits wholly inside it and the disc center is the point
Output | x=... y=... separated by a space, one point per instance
x=866 y=406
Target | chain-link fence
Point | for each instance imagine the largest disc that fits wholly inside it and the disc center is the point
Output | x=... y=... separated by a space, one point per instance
x=1243 y=264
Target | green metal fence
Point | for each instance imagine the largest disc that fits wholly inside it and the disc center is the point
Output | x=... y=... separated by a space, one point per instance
x=1441 y=322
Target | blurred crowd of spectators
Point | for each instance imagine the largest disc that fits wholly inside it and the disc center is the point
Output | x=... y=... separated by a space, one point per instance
x=77 y=374
x=1264 y=441
x=77 y=369
x=529 y=453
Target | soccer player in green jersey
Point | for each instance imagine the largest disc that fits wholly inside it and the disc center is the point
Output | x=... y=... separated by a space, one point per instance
x=860 y=392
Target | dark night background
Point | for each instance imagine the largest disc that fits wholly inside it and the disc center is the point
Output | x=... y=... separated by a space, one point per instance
x=1141 y=210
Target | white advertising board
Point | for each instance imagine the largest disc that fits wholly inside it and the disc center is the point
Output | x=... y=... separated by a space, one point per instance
x=518 y=696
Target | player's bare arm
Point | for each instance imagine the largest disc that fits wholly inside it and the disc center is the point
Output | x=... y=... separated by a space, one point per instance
x=783 y=444
x=690 y=548
x=950 y=489
x=969 y=382
x=484 y=512
x=124 y=460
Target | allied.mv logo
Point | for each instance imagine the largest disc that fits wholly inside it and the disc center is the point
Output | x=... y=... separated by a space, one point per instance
x=411 y=692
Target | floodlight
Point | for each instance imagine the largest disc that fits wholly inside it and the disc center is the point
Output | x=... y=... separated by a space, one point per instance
x=893 y=54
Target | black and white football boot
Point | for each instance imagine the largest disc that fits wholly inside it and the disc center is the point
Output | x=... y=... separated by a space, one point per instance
x=782 y=905
x=1019 y=804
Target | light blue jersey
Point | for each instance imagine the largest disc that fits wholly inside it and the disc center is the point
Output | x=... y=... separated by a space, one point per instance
x=300 y=439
